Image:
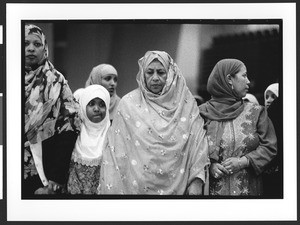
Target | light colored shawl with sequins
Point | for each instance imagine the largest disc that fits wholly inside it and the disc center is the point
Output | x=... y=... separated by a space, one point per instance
x=157 y=144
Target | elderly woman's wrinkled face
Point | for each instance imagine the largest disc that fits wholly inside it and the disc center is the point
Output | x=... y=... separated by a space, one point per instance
x=240 y=82
x=270 y=97
x=155 y=77
x=34 y=50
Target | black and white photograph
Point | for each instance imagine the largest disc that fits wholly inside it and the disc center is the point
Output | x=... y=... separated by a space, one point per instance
x=124 y=111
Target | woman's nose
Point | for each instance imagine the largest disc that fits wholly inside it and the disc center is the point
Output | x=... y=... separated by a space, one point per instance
x=96 y=108
x=113 y=83
x=30 y=47
x=155 y=76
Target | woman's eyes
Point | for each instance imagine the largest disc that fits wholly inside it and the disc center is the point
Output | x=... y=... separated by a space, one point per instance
x=36 y=44
x=100 y=104
x=91 y=104
x=110 y=78
x=159 y=72
x=273 y=96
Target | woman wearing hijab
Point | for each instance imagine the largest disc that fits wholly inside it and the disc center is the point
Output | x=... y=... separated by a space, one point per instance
x=107 y=76
x=157 y=143
x=273 y=175
x=49 y=109
x=241 y=137
x=271 y=93
x=86 y=157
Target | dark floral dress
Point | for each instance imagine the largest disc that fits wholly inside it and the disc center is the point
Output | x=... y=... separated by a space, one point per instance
x=83 y=179
x=251 y=134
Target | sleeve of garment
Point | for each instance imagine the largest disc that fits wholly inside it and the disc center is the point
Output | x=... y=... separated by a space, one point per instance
x=199 y=156
x=57 y=152
x=68 y=109
x=267 y=148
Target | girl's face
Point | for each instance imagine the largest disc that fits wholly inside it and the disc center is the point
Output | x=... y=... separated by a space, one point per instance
x=155 y=77
x=96 y=110
x=240 y=82
x=34 y=50
x=110 y=82
x=270 y=97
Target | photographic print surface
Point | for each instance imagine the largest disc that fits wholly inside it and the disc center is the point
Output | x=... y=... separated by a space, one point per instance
x=78 y=42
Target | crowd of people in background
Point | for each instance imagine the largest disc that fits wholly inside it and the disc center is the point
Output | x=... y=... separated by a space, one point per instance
x=158 y=139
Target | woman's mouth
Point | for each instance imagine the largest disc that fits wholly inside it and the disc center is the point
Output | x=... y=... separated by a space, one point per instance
x=31 y=56
x=155 y=85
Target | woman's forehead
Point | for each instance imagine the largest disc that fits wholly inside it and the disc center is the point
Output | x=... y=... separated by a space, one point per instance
x=109 y=75
x=270 y=92
x=97 y=99
x=33 y=37
x=155 y=62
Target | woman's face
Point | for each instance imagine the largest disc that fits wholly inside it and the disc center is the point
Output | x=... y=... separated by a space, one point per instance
x=240 y=82
x=34 y=50
x=155 y=77
x=96 y=110
x=270 y=97
x=110 y=82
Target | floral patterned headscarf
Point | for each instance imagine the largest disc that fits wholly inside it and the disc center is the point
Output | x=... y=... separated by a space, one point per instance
x=35 y=30
x=48 y=98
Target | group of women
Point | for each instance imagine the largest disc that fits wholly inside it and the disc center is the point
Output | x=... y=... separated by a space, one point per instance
x=155 y=140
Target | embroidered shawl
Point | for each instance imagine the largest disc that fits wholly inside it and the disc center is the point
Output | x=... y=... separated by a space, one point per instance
x=157 y=143
x=224 y=104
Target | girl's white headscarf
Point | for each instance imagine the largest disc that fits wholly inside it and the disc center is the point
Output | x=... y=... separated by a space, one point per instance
x=78 y=93
x=273 y=88
x=91 y=140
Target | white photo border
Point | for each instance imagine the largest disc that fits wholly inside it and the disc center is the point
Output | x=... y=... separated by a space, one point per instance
x=149 y=210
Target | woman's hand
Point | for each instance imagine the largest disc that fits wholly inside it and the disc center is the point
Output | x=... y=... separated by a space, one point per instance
x=55 y=187
x=231 y=164
x=195 y=187
x=217 y=170
x=234 y=164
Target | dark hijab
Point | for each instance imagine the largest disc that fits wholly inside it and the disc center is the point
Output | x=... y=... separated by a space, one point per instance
x=224 y=103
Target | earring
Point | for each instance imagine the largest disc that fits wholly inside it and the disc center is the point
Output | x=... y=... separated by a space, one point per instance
x=232 y=87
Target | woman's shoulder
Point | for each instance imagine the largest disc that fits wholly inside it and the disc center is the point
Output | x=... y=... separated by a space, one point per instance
x=131 y=96
x=254 y=109
x=253 y=106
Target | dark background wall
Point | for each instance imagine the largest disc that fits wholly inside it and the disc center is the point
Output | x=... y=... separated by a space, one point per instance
x=77 y=46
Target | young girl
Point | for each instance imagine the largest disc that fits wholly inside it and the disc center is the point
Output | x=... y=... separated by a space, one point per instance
x=86 y=157
x=271 y=93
